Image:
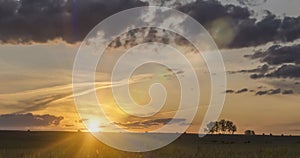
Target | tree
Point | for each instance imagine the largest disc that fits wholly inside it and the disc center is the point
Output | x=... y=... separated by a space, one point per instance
x=233 y=129
x=213 y=127
x=222 y=126
x=249 y=133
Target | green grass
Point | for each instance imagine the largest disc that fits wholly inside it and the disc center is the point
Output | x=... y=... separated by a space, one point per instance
x=81 y=145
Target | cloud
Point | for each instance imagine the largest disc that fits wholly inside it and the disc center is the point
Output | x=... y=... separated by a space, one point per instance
x=232 y=26
x=269 y=29
x=207 y=11
x=285 y=92
x=148 y=34
x=41 y=103
x=275 y=91
x=260 y=92
x=242 y=90
x=276 y=55
x=251 y=2
x=29 y=120
x=269 y=92
x=256 y=76
x=286 y=71
x=229 y=91
x=34 y=100
x=260 y=69
x=28 y=21
x=42 y=98
x=247 y=31
x=279 y=62
x=148 y=123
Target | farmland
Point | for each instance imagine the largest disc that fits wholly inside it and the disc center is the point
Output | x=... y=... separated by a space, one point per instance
x=72 y=144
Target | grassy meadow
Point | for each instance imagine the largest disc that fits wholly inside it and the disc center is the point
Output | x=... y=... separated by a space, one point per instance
x=81 y=145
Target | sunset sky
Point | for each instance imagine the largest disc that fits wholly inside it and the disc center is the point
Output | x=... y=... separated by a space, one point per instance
x=258 y=39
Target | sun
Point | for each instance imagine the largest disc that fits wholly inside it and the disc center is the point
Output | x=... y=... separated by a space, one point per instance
x=93 y=126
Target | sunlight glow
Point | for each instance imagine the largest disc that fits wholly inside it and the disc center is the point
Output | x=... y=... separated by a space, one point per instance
x=93 y=126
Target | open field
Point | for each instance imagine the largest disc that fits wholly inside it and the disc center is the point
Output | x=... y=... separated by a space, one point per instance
x=68 y=144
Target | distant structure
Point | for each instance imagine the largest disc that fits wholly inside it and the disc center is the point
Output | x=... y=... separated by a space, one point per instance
x=249 y=133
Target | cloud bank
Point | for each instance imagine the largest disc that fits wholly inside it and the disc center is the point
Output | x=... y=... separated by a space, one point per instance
x=28 y=21
x=29 y=120
x=284 y=61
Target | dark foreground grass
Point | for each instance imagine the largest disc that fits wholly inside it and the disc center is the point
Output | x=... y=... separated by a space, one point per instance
x=81 y=145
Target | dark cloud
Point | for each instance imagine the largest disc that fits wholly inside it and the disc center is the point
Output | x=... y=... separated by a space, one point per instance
x=27 y=21
x=148 y=123
x=286 y=71
x=245 y=31
x=252 y=32
x=146 y=34
x=29 y=120
x=276 y=55
x=274 y=91
x=290 y=28
x=256 y=76
x=229 y=91
x=280 y=62
x=285 y=92
x=248 y=31
x=207 y=11
x=260 y=69
x=261 y=93
x=242 y=90
x=269 y=92
x=216 y=17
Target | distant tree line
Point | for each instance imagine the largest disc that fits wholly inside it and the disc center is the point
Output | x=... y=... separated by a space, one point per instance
x=222 y=126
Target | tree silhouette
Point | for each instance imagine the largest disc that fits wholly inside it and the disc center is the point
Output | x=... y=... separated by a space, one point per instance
x=229 y=126
x=233 y=129
x=249 y=132
x=213 y=127
x=222 y=126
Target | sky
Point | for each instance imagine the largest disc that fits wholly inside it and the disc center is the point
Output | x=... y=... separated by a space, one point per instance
x=259 y=41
